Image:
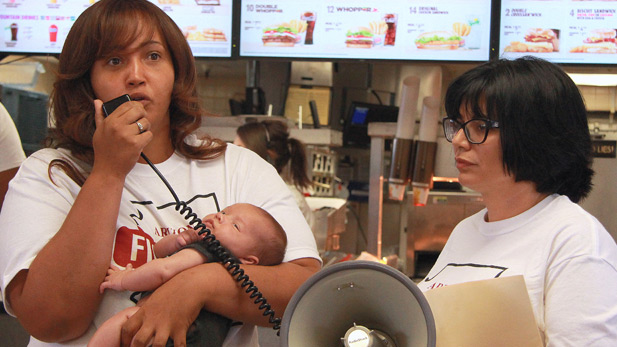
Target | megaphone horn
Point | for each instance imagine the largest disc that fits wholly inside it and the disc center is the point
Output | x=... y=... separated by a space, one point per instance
x=358 y=303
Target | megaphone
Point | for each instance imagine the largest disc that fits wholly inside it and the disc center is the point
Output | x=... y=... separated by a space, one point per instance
x=358 y=303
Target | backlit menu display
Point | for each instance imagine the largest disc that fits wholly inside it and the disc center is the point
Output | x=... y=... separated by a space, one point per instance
x=561 y=31
x=41 y=26
x=448 y=30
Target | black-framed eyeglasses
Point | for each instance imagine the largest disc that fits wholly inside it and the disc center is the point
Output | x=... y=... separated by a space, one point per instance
x=476 y=130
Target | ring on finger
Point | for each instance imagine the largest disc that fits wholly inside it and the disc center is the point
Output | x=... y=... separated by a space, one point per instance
x=141 y=127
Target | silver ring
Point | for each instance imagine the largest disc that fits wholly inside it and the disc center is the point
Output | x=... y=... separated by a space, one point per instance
x=141 y=127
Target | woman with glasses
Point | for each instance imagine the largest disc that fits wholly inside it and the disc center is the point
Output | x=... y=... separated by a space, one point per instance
x=520 y=138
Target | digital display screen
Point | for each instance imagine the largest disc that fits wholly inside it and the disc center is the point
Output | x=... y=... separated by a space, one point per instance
x=359 y=115
x=443 y=30
x=561 y=31
x=41 y=26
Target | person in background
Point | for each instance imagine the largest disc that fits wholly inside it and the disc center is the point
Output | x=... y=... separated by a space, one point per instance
x=248 y=232
x=520 y=138
x=91 y=201
x=12 y=154
x=270 y=139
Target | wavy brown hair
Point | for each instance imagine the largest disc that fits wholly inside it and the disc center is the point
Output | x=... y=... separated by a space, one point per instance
x=106 y=27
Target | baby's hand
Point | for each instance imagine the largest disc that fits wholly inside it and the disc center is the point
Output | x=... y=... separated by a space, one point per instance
x=113 y=280
x=187 y=237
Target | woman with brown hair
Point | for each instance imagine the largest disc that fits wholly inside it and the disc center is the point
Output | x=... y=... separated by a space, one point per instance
x=89 y=201
x=270 y=139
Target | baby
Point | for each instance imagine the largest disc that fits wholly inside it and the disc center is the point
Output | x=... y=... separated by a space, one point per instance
x=250 y=233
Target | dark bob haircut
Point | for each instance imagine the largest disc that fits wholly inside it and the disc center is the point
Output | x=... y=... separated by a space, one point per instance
x=542 y=121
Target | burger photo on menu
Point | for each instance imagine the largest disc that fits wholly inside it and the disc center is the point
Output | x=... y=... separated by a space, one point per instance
x=360 y=37
x=439 y=40
x=598 y=41
x=281 y=35
x=537 y=40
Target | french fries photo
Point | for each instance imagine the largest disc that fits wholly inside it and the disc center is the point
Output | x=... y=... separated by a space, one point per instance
x=461 y=29
x=298 y=25
x=378 y=28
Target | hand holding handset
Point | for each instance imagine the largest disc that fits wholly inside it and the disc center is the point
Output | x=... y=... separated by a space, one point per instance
x=231 y=263
x=111 y=105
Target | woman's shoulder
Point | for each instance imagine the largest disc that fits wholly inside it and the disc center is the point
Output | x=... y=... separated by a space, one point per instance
x=577 y=229
x=39 y=167
x=231 y=150
x=240 y=151
x=240 y=154
x=47 y=155
x=562 y=210
x=239 y=161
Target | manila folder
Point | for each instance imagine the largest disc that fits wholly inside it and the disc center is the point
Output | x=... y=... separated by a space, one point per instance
x=493 y=312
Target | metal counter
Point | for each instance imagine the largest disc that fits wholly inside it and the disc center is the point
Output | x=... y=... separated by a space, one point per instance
x=429 y=226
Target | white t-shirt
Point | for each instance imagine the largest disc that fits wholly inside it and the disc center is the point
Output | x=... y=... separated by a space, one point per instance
x=568 y=260
x=12 y=154
x=146 y=214
x=302 y=204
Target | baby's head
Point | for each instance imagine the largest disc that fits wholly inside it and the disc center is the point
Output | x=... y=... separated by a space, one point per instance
x=250 y=233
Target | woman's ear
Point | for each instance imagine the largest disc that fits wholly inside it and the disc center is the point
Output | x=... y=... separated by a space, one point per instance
x=271 y=157
x=249 y=260
x=272 y=154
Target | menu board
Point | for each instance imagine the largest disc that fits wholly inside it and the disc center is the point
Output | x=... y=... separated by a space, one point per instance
x=41 y=26
x=448 y=30
x=561 y=31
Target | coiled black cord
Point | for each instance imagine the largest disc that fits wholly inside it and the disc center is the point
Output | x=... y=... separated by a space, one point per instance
x=230 y=262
